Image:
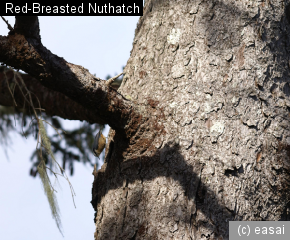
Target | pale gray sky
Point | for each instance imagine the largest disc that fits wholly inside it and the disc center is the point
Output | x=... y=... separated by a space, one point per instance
x=102 y=45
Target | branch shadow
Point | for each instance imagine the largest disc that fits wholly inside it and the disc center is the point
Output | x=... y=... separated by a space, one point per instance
x=169 y=163
x=166 y=162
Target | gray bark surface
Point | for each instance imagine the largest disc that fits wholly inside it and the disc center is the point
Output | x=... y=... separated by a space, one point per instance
x=216 y=74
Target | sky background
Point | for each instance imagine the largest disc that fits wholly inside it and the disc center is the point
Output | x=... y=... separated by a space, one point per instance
x=102 y=45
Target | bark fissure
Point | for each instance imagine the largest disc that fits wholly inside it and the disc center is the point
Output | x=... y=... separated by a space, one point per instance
x=219 y=72
x=206 y=120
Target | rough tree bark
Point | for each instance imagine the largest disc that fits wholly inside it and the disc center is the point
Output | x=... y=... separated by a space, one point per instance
x=216 y=73
x=200 y=125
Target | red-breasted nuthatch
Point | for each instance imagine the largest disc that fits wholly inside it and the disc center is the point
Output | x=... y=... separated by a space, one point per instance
x=99 y=144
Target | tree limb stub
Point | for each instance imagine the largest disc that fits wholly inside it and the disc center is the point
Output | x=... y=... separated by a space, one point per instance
x=27 y=26
x=22 y=49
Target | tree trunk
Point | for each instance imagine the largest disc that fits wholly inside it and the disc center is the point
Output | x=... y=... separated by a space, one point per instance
x=216 y=77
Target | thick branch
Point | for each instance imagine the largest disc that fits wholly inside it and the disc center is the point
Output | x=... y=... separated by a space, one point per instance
x=72 y=80
x=54 y=103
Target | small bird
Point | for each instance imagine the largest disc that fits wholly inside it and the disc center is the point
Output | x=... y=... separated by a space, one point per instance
x=99 y=144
